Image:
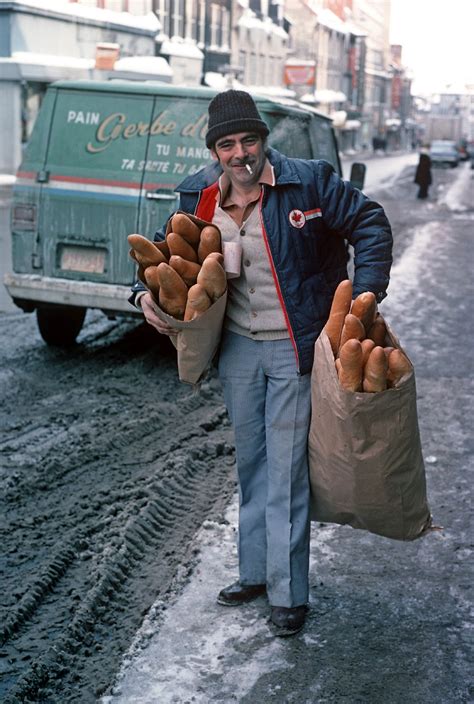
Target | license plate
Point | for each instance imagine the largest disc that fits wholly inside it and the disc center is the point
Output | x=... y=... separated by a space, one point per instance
x=90 y=260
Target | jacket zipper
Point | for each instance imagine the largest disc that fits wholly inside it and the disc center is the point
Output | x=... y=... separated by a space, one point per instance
x=277 y=284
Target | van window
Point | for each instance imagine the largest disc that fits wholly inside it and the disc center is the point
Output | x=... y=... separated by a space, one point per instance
x=176 y=148
x=324 y=146
x=290 y=136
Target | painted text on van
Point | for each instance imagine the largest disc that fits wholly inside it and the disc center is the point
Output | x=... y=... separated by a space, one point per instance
x=193 y=152
x=85 y=118
x=115 y=126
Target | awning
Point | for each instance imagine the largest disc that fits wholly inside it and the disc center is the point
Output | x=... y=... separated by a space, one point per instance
x=325 y=95
x=351 y=125
x=338 y=118
x=331 y=21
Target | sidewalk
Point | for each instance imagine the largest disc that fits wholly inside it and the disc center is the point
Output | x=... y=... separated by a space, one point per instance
x=389 y=621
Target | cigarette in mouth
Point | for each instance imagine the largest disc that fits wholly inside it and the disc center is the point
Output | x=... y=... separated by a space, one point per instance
x=249 y=169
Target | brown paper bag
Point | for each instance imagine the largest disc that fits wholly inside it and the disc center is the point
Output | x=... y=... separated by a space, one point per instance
x=365 y=459
x=197 y=340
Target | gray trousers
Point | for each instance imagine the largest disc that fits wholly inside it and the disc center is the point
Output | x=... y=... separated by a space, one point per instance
x=269 y=406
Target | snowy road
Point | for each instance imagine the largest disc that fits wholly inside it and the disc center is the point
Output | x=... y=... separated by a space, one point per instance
x=389 y=621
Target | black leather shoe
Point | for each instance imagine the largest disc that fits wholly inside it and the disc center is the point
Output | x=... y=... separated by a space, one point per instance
x=287 y=621
x=238 y=593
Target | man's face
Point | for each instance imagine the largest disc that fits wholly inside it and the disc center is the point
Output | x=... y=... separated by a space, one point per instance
x=235 y=151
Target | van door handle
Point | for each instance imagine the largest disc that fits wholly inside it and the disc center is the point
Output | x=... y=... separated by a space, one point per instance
x=161 y=196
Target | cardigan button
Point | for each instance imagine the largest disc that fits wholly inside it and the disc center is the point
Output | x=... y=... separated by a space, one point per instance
x=246 y=262
x=242 y=232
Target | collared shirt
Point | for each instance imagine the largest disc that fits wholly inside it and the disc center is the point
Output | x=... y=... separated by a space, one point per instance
x=253 y=308
x=238 y=213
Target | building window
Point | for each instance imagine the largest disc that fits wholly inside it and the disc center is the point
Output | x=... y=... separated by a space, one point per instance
x=225 y=39
x=177 y=18
x=215 y=25
x=243 y=63
x=163 y=13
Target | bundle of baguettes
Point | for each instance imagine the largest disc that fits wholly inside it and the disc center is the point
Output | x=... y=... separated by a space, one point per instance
x=185 y=272
x=358 y=337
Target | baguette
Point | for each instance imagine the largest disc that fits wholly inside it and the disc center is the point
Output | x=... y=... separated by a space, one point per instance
x=141 y=274
x=212 y=278
x=178 y=245
x=375 y=371
x=187 y=270
x=352 y=328
x=198 y=302
x=185 y=227
x=210 y=242
x=378 y=331
x=398 y=367
x=152 y=281
x=364 y=307
x=163 y=247
x=173 y=291
x=217 y=256
x=340 y=307
x=367 y=347
x=350 y=374
x=144 y=251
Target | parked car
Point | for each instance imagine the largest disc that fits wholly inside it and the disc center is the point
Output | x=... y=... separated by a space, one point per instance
x=444 y=152
x=103 y=161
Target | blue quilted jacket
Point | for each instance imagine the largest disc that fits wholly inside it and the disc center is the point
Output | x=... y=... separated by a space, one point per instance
x=306 y=218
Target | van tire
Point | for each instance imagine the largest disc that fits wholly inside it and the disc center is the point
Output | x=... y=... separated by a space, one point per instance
x=59 y=326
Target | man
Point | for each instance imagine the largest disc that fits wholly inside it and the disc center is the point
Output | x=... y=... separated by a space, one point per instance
x=291 y=218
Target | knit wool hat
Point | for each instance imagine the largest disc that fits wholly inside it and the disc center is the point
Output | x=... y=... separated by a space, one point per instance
x=233 y=111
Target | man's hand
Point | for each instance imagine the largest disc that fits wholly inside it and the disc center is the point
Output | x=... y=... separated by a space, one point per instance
x=148 y=307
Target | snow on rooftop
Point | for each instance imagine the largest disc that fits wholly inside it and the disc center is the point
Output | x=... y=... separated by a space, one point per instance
x=216 y=80
x=27 y=57
x=272 y=91
x=144 y=64
x=175 y=47
x=249 y=20
x=148 y=22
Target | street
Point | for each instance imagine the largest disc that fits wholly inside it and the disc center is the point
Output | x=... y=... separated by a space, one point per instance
x=381 y=169
x=119 y=511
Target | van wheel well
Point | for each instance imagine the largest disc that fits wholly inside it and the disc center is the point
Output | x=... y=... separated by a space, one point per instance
x=59 y=326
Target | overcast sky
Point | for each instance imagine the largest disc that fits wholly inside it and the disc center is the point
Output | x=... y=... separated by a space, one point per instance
x=438 y=41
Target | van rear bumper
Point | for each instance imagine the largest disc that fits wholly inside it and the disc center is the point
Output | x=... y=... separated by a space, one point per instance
x=45 y=289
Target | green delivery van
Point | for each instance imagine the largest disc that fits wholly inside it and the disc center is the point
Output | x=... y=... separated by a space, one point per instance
x=103 y=161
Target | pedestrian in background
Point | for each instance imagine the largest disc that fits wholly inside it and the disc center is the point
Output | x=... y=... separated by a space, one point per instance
x=291 y=218
x=423 y=174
